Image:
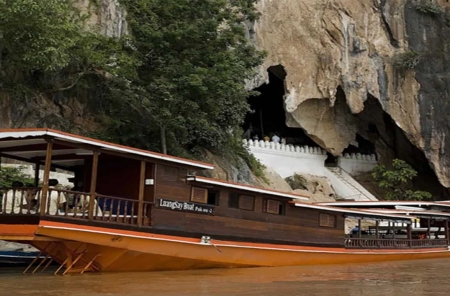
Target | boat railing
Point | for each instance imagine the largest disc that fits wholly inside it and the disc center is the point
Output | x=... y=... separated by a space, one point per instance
x=16 y=201
x=75 y=205
x=426 y=243
x=374 y=243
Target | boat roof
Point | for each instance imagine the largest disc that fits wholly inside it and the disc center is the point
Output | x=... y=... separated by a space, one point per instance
x=356 y=212
x=410 y=208
x=386 y=204
x=245 y=187
x=412 y=212
x=29 y=144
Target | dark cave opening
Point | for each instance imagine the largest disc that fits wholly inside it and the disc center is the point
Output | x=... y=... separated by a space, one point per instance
x=268 y=116
x=378 y=131
x=363 y=146
x=375 y=131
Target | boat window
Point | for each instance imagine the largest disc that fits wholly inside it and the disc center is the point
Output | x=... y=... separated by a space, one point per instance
x=233 y=201
x=213 y=197
x=199 y=195
x=242 y=202
x=326 y=220
x=274 y=207
x=246 y=202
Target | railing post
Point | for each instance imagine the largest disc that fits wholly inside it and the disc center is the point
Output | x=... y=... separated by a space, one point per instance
x=446 y=232
x=141 y=193
x=409 y=235
x=359 y=232
x=48 y=162
x=93 y=184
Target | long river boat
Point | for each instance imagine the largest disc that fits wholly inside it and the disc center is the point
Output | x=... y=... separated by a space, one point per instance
x=135 y=210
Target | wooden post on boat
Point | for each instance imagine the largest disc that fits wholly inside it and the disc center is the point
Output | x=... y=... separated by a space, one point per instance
x=377 y=232
x=155 y=171
x=428 y=228
x=141 y=193
x=359 y=229
x=393 y=230
x=93 y=184
x=48 y=162
x=377 y=229
x=446 y=232
x=409 y=229
x=36 y=174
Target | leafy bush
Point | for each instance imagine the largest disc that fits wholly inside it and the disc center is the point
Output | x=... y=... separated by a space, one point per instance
x=397 y=181
x=8 y=175
x=255 y=166
x=428 y=7
x=406 y=60
x=297 y=182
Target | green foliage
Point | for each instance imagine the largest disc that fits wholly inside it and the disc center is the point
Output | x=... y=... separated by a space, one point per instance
x=406 y=60
x=255 y=166
x=296 y=182
x=397 y=181
x=36 y=35
x=176 y=85
x=8 y=175
x=190 y=89
x=428 y=7
x=45 y=50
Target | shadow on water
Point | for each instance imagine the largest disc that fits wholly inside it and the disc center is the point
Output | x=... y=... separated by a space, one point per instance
x=426 y=277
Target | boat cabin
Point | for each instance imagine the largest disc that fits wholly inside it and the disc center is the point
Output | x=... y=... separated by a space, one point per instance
x=429 y=225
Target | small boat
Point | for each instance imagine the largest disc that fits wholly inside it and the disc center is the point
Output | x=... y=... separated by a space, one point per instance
x=136 y=210
x=17 y=258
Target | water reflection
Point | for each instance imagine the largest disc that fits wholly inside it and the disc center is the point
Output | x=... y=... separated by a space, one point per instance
x=427 y=277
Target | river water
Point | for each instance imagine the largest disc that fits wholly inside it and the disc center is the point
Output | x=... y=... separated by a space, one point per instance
x=411 y=278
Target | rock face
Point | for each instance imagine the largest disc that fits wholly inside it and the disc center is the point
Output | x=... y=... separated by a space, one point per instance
x=339 y=56
x=341 y=81
x=67 y=114
x=106 y=17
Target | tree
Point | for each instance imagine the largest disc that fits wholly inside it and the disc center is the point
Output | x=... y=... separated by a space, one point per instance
x=396 y=181
x=8 y=175
x=176 y=84
x=195 y=59
x=46 y=50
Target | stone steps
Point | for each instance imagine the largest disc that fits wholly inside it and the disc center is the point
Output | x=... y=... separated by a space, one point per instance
x=359 y=193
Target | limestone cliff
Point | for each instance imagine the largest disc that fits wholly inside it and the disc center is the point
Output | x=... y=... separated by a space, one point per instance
x=339 y=58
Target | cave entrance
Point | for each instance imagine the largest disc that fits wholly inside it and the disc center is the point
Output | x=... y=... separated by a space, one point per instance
x=268 y=116
x=331 y=160
x=378 y=133
x=362 y=146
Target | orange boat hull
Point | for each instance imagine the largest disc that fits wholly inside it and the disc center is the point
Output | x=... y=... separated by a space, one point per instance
x=121 y=250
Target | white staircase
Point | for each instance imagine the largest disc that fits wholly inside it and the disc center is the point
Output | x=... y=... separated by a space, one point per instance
x=346 y=187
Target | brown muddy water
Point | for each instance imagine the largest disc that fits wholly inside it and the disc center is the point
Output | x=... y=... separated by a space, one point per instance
x=411 y=278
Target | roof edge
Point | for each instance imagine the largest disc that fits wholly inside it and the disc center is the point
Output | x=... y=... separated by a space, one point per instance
x=352 y=211
x=247 y=187
x=39 y=132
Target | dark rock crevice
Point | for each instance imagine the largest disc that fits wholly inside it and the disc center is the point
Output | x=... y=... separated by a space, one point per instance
x=390 y=142
x=428 y=34
x=394 y=42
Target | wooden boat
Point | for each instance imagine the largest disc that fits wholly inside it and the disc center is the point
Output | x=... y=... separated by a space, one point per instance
x=135 y=210
x=17 y=258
